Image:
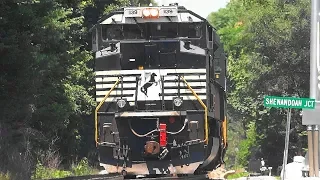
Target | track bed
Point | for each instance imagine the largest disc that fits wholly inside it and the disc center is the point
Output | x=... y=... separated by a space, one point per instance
x=120 y=177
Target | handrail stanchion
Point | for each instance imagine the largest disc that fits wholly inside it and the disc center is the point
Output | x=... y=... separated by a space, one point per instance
x=205 y=110
x=99 y=106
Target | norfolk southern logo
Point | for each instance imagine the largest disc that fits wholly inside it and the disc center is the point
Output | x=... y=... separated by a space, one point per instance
x=152 y=81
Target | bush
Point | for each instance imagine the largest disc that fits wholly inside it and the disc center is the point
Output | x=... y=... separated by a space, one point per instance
x=43 y=172
x=4 y=176
x=80 y=169
x=245 y=146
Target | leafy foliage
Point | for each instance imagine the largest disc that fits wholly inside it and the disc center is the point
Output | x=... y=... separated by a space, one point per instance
x=80 y=169
x=4 y=176
x=46 y=82
x=238 y=175
x=267 y=44
x=45 y=79
x=45 y=173
x=246 y=145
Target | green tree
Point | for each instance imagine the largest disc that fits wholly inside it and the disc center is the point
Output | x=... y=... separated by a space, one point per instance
x=268 y=44
x=44 y=81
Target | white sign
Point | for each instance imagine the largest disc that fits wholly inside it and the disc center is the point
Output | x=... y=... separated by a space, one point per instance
x=168 y=11
x=132 y=12
x=149 y=86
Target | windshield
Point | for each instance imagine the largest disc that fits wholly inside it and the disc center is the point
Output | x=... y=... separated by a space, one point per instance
x=151 y=31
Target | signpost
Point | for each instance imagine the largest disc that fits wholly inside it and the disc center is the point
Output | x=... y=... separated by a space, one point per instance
x=289 y=103
x=314 y=87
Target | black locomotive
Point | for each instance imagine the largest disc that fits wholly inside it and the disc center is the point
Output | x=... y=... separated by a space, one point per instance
x=160 y=89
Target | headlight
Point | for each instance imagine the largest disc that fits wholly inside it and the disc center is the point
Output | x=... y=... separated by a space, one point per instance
x=121 y=103
x=177 y=101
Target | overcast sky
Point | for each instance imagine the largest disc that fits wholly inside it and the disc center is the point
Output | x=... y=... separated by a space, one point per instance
x=201 y=7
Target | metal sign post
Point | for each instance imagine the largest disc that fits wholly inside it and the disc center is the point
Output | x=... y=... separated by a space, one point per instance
x=314 y=89
x=310 y=118
x=288 y=102
x=285 y=154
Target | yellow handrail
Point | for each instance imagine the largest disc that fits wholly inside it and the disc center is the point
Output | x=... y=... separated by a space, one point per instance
x=99 y=106
x=205 y=110
x=224 y=131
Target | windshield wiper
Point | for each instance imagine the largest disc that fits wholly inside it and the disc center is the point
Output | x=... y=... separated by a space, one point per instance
x=141 y=30
x=169 y=18
x=120 y=29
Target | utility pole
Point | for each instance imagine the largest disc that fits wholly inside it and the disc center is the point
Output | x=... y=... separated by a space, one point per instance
x=314 y=60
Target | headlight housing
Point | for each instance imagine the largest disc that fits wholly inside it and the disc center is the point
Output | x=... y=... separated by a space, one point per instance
x=121 y=103
x=177 y=101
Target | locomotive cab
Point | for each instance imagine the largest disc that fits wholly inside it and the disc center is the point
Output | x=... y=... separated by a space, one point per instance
x=160 y=89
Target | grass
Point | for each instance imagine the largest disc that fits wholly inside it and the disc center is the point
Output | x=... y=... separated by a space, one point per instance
x=4 y=176
x=239 y=172
x=242 y=173
x=80 y=169
x=238 y=175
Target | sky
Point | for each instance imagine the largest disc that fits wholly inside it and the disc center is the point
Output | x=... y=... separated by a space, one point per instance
x=201 y=7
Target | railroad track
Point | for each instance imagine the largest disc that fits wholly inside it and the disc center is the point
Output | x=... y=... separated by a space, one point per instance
x=92 y=177
x=120 y=177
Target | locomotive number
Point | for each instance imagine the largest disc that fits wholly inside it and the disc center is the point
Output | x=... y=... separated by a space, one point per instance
x=133 y=12
x=167 y=11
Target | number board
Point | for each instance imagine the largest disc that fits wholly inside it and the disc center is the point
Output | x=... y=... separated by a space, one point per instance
x=132 y=12
x=168 y=11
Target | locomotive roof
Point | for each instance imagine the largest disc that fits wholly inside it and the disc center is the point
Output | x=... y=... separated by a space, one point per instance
x=178 y=14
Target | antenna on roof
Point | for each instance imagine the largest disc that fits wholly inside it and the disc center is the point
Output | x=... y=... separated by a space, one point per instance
x=131 y=3
x=174 y=4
